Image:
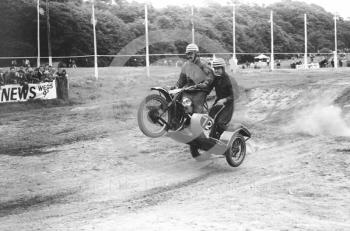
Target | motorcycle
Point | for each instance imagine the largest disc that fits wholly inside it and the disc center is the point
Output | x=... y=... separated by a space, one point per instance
x=170 y=112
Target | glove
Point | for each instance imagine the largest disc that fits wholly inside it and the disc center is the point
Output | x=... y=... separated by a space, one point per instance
x=221 y=102
x=200 y=85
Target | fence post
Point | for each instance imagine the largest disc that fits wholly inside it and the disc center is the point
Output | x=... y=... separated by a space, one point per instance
x=62 y=87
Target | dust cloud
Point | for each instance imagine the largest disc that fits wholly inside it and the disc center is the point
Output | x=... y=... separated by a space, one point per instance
x=325 y=120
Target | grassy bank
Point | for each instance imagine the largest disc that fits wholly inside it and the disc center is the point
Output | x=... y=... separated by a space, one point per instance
x=97 y=108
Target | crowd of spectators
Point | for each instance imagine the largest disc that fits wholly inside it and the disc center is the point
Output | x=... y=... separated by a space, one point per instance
x=25 y=75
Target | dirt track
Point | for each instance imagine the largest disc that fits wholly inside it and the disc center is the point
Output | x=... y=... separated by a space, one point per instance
x=86 y=166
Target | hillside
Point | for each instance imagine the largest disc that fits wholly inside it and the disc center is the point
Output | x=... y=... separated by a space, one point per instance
x=119 y=24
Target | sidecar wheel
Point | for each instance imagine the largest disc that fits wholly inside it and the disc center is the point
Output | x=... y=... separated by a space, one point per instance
x=153 y=116
x=194 y=151
x=236 y=152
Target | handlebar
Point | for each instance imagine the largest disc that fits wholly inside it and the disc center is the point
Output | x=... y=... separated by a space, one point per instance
x=190 y=88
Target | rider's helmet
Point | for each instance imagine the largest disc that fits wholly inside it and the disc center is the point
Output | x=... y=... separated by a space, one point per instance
x=192 y=48
x=192 y=52
x=218 y=63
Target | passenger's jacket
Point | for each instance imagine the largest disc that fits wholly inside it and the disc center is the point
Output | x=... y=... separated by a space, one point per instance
x=223 y=88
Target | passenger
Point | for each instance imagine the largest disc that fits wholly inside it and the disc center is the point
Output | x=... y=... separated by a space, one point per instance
x=224 y=98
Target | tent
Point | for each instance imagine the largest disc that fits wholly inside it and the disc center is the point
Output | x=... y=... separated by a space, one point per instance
x=262 y=58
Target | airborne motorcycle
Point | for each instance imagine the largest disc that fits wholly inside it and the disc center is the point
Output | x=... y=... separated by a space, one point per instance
x=171 y=112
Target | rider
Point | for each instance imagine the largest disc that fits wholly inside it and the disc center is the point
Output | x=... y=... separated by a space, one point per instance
x=224 y=97
x=195 y=73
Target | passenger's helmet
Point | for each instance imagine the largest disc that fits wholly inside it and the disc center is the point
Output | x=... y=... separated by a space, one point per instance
x=218 y=62
x=192 y=48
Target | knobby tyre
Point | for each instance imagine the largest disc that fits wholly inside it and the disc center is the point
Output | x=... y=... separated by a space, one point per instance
x=236 y=152
x=152 y=116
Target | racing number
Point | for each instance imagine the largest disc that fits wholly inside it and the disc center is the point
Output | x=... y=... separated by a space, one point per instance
x=206 y=122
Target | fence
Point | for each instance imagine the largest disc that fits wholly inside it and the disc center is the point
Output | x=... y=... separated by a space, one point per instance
x=244 y=60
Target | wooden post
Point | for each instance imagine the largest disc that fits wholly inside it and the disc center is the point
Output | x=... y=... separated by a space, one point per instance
x=62 y=87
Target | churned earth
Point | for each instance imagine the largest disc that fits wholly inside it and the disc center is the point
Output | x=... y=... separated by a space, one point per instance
x=85 y=165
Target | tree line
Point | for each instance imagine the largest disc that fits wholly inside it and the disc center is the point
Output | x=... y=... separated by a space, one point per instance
x=123 y=21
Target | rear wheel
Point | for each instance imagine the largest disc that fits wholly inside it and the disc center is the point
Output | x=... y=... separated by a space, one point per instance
x=153 y=116
x=236 y=152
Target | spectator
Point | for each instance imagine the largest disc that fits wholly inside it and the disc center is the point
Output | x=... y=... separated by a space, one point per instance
x=323 y=63
x=61 y=73
x=278 y=63
x=47 y=74
x=41 y=71
x=2 y=80
x=27 y=75
x=21 y=75
x=312 y=58
x=30 y=75
x=46 y=69
x=53 y=71
x=74 y=65
x=27 y=63
x=13 y=63
x=11 y=77
x=22 y=79
x=36 y=76
x=61 y=64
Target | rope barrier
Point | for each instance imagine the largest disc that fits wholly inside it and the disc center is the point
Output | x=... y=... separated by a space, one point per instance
x=141 y=55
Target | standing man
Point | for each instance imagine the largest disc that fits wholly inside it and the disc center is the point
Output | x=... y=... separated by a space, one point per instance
x=2 y=80
x=195 y=73
x=27 y=63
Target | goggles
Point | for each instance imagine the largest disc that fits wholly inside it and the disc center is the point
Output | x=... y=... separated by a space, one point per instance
x=190 y=53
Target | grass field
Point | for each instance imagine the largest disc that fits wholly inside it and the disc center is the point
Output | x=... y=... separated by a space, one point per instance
x=99 y=107
x=85 y=165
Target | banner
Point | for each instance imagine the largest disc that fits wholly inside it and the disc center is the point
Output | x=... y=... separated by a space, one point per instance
x=18 y=93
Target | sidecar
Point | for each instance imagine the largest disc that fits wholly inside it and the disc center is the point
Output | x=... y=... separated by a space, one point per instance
x=232 y=143
x=155 y=118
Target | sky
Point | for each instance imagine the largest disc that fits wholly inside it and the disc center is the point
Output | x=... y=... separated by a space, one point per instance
x=341 y=7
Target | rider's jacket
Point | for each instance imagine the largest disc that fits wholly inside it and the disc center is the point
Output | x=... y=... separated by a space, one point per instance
x=193 y=73
x=199 y=74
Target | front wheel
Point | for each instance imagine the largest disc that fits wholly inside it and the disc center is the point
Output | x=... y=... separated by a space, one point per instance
x=153 y=116
x=236 y=152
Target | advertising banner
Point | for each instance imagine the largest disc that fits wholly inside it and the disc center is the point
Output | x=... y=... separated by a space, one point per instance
x=18 y=93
